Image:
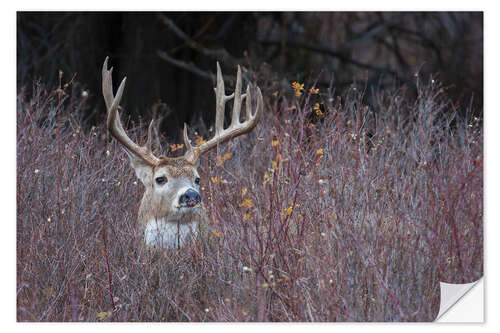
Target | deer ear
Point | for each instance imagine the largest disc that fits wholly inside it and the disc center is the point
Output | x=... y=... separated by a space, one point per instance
x=143 y=171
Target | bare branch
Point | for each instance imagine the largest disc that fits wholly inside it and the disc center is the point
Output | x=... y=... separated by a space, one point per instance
x=218 y=54
x=332 y=53
x=190 y=67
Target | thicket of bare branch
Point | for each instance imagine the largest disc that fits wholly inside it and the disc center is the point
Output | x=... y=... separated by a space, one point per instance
x=331 y=210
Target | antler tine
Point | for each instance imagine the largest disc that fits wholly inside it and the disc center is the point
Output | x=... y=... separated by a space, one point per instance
x=237 y=99
x=260 y=106
x=114 y=124
x=149 y=141
x=249 y=103
x=107 y=85
x=220 y=101
x=236 y=128
x=187 y=142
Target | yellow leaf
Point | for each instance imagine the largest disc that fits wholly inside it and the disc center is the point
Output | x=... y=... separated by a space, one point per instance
x=199 y=140
x=319 y=152
x=174 y=147
x=317 y=110
x=274 y=164
x=247 y=203
x=102 y=314
x=246 y=216
x=288 y=211
x=266 y=176
x=244 y=192
x=274 y=143
x=227 y=156
x=298 y=88
x=314 y=91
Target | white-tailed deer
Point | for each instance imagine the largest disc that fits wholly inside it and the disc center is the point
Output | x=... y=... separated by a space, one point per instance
x=171 y=208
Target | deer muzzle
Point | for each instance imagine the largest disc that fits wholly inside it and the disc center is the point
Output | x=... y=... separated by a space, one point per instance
x=190 y=198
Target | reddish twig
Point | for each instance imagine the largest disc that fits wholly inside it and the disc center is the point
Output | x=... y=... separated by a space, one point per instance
x=107 y=265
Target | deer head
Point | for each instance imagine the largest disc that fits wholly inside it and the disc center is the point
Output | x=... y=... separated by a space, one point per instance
x=172 y=196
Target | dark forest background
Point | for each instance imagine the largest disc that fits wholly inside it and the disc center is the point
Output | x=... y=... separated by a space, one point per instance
x=169 y=58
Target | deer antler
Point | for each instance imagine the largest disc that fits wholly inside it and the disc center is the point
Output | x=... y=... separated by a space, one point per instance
x=236 y=128
x=114 y=123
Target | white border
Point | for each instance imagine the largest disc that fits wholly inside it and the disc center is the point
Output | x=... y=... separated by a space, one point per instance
x=8 y=168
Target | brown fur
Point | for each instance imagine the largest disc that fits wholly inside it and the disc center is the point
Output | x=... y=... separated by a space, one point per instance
x=178 y=172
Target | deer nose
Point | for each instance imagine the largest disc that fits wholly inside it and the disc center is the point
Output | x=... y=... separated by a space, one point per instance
x=190 y=198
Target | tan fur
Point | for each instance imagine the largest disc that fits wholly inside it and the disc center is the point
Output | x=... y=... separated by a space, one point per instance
x=159 y=205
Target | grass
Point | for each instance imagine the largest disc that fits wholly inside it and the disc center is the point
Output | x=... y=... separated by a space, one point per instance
x=338 y=211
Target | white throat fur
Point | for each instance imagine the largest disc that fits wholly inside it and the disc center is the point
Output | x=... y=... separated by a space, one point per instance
x=169 y=234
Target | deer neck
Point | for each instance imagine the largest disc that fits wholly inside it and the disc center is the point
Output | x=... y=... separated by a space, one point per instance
x=168 y=234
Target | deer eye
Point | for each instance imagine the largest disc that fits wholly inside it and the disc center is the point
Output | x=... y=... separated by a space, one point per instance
x=197 y=181
x=160 y=180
